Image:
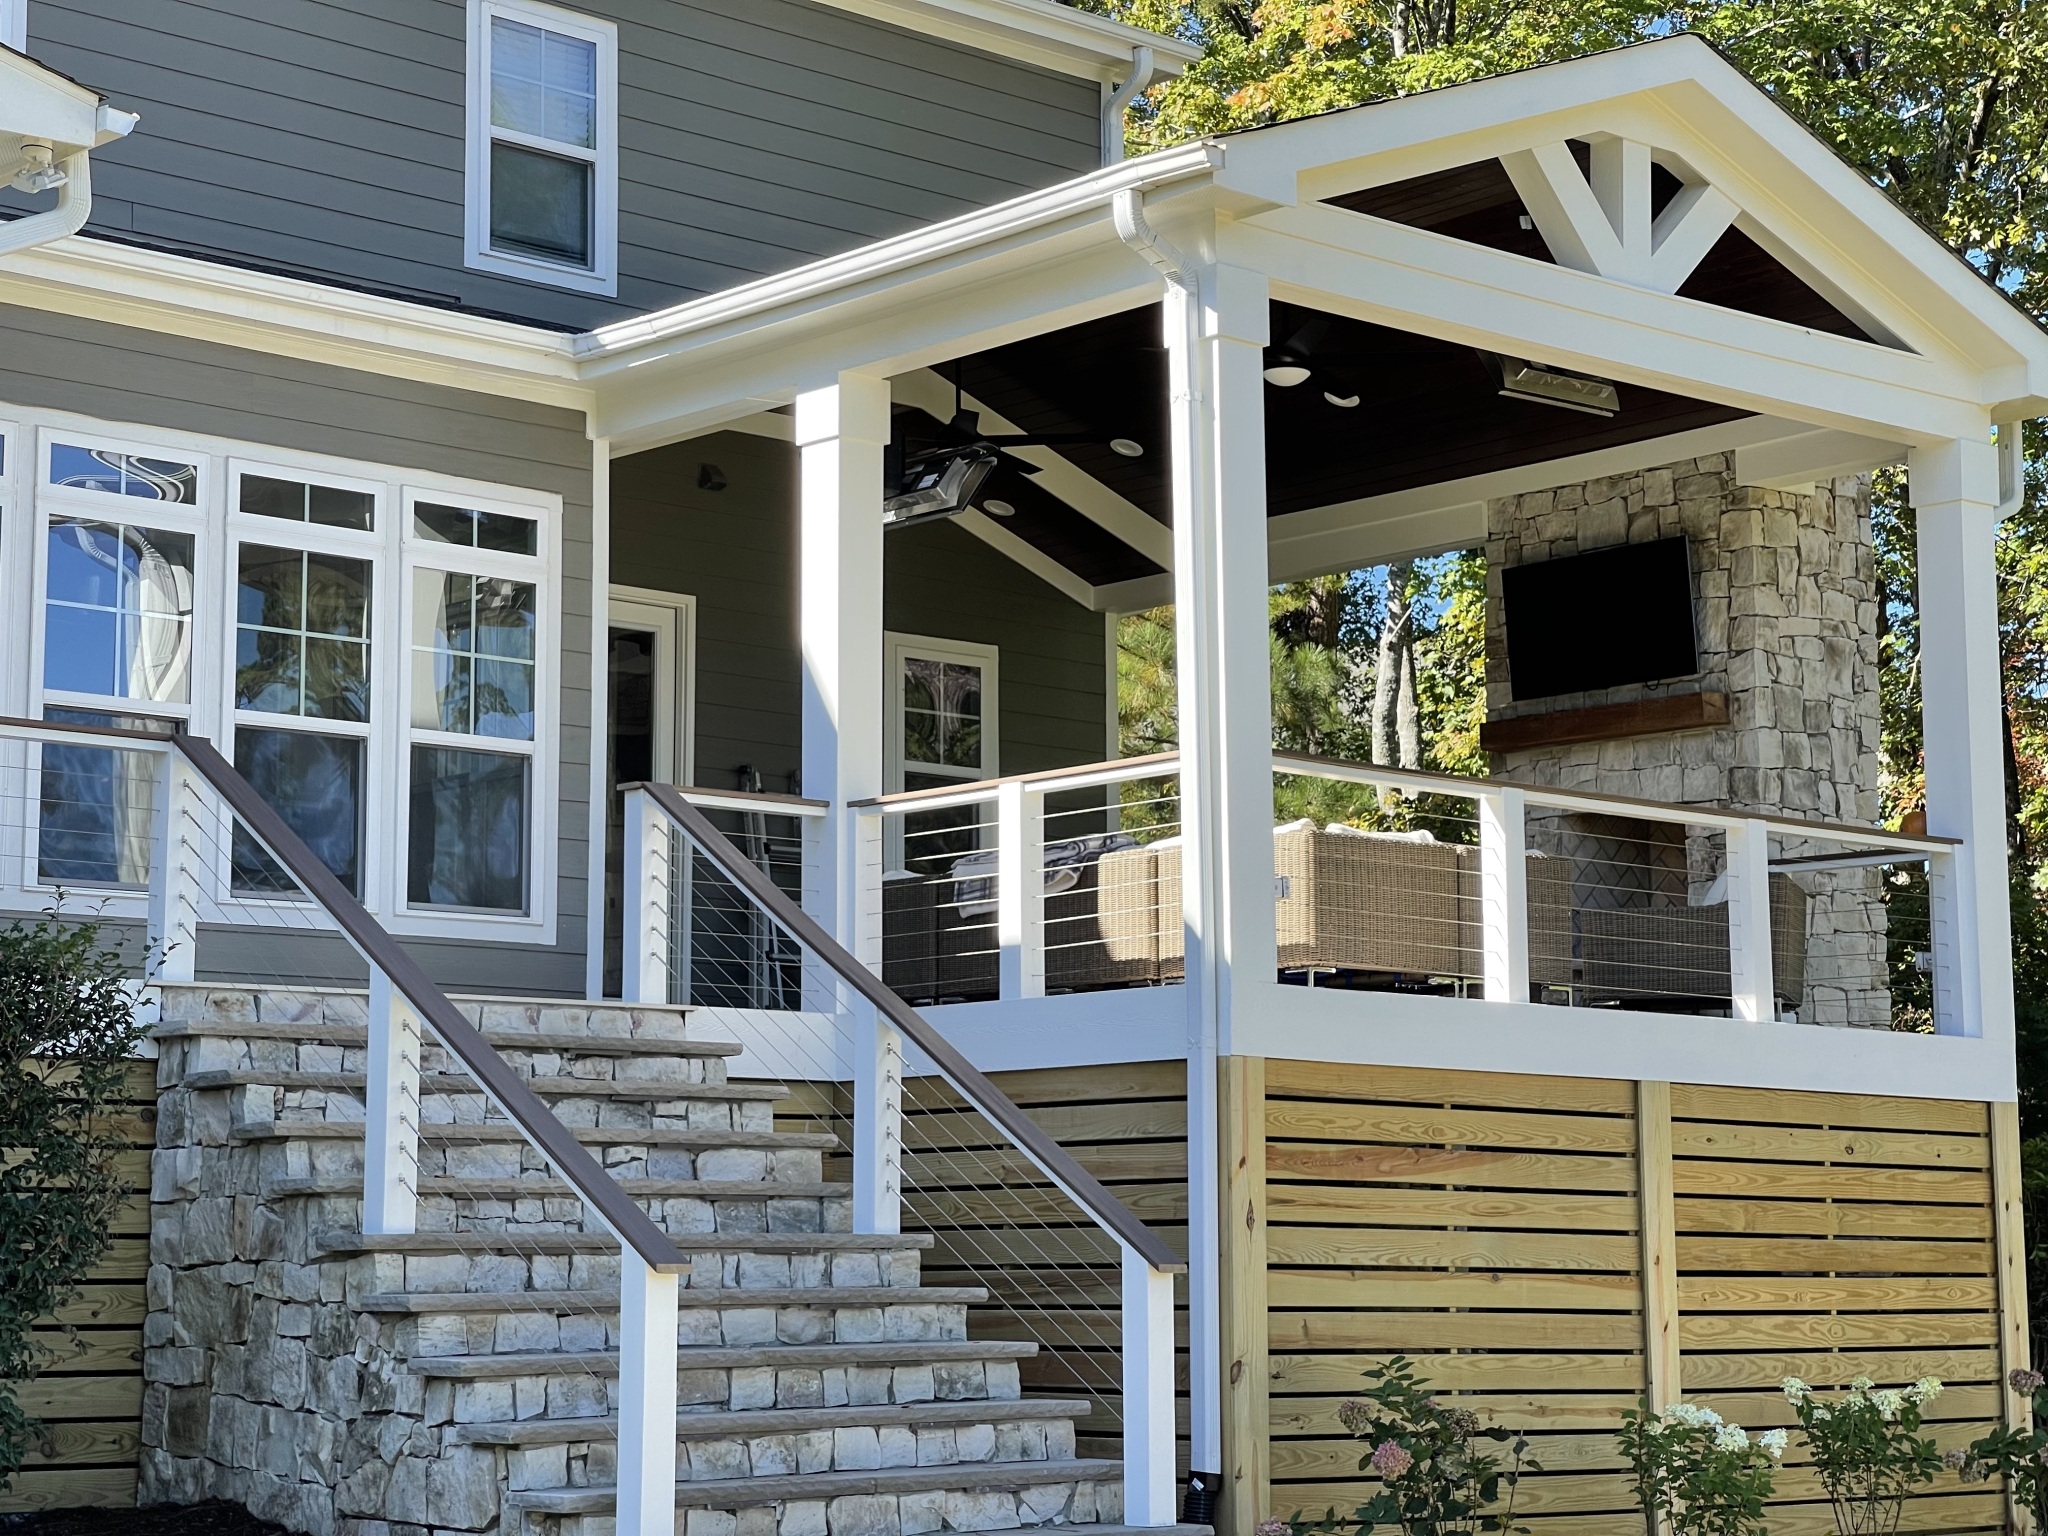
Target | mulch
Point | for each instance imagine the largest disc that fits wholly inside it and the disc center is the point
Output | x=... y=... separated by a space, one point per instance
x=213 y=1518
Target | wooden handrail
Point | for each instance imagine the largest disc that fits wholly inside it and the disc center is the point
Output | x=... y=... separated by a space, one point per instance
x=1052 y=1159
x=554 y=1140
x=1087 y=776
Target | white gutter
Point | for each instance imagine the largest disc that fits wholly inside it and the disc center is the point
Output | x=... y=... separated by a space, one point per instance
x=888 y=257
x=74 y=186
x=1121 y=98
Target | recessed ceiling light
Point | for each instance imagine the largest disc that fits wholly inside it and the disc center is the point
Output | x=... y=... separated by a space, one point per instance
x=1128 y=447
x=998 y=508
x=1287 y=375
x=1342 y=402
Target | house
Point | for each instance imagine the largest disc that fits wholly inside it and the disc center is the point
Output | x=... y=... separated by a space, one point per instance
x=409 y=412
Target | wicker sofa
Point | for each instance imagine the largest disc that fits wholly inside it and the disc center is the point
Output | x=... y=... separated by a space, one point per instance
x=1640 y=956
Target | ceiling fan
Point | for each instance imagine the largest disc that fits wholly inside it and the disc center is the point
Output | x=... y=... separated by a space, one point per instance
x=942 y=477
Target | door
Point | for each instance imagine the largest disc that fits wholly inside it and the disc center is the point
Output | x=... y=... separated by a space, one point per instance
x=646 y=724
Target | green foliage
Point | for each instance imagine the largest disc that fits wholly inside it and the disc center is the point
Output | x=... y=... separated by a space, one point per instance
x=1867 y=1448
x=2019 y=1455
x=1434 y=1478
x=68 y=1027
x=1698 y=1474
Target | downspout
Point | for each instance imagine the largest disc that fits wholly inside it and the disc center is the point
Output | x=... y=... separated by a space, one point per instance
x=1127 y=208
x=1121 y=98
x=74 y=206
x=2012 y=468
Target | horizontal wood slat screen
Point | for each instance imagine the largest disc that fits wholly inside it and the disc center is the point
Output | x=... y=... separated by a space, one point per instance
x=91 y=1394
x=1490 y=1227
x=1127 y=1125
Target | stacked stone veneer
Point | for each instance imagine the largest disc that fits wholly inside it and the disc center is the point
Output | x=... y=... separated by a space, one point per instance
x=446 y=1388
x=1786 y=613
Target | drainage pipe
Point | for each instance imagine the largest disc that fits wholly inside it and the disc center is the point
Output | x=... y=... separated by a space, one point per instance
x=1120 y=98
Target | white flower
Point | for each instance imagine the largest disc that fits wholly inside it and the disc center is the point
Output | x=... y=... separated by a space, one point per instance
x=1796 y=1391
x=1925 y=1390
x=1692 y=1415
x=1860 y=1383
x=1888 y=1403
x=1822 y=1413
x=1729 y=1437
x=1773 y=1443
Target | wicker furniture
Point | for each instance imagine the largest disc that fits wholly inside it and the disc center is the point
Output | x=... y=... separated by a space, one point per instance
x=1637 y=956
x=1549 y=882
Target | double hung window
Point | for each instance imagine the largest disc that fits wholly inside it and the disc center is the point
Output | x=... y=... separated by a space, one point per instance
x=942 y=730
x=543 y=152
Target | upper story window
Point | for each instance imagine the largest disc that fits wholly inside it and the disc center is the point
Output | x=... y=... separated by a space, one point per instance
x=543 y=145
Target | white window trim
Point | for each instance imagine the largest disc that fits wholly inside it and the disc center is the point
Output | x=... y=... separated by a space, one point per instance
x=211 y=714
x=14 y=24
x=680 y=610
x=602 y=276
x=897 y=648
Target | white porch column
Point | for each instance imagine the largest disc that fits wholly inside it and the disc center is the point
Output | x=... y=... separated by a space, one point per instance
x=1215 y=341
x=840 y=432
x=1954 y=488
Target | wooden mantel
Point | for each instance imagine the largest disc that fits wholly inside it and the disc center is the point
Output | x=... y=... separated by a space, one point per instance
x=1606 y=722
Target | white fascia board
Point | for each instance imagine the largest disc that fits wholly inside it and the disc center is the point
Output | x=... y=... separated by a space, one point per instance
x=1059 y=477
x=1136 y=595
x=39 y=103
x=1451 y=514
x=1416 y=280
x=1040 y=32
x=262 y=312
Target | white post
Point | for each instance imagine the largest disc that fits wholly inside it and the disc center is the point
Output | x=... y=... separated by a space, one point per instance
x=1020 y=890
x=1954 y=487
x=646 y=889
x=1148 y=1393
x=647 y=1399
x=877 y=1119
x=1215 y=341
x=391 y=1112
x=1749 y=923
x=868 y=871
x=174 y=872
x=1504 y=895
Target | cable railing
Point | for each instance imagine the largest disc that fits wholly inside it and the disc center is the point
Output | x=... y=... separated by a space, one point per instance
x=156 y=836
x=1393 y=880
x=931 y=1142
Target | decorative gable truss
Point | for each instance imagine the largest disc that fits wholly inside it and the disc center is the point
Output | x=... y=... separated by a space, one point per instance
x=1601 y=220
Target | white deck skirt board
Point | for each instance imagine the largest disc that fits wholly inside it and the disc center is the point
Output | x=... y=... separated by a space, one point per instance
x=1079 y=1029
x=1404 y=1030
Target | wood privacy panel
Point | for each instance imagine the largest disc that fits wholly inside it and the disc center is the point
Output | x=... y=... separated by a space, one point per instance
x=1485 y=1226
x=1830 y=1236
x=91 y=1394
x=1052 y=1275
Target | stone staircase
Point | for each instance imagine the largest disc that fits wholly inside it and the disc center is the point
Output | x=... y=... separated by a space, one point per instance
x=462 y=1378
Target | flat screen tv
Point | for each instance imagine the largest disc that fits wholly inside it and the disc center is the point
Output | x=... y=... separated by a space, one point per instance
x=1600 y=620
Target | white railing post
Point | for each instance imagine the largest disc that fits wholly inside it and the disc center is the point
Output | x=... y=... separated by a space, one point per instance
x=174 y=873
x=646 y=885
x=1020 y=890
x=1944 y=944
x=1749 y=922
x=1504 y=895
x=647 y=1399
x=1148 y=1393
x=867 y=891
x=877 y=1119
x=391 y=1112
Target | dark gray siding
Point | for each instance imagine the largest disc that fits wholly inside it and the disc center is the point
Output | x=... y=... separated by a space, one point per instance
x=735 y=552
x=141 y=377
x=325 y=137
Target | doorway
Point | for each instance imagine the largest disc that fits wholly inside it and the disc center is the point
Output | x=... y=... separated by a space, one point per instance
x=650 y=644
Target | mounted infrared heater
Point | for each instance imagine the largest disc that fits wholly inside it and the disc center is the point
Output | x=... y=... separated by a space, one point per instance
x=1521 y=380
x=936 y=485
x=1601 y=620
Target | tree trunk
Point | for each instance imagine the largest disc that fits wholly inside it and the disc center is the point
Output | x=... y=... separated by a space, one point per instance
x=1396 y=646
x=1407 y=715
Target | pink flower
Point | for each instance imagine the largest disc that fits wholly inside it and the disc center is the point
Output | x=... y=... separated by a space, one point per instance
x=1390 y=1460
x=1272 y=1528
x=2027 y=1381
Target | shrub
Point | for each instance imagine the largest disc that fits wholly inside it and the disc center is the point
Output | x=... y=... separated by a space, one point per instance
x=1697 y=1473
x=68 y=1026
x=1867 y=1448
x=1434 y=1479
x=2019 y=1455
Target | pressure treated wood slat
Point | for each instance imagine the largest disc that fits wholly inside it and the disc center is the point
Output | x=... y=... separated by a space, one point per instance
x=1697 y=1101
x=1421 y=1085
x=1461 y=1166
x=118 y=1304
x=1144 y=1162
x=71 y=1487
x=1071 y=1125
x=1805 y=1255
x=90 y=1444
x=1542 y=1494
x=1465 y=1372
x=1812 y=1218
x=1069 y=1085
x=1796 y=1181
x=1888 y=1368
x=83 y=1397
x=1371 y=1329
x=91 y=1352
x=1853 y=1148
x=1801 y=1293
x=1526 y=1412
x=1837 y=1330
x=1422 y=1288
x=1399 y=1248
x=1158 y=1205
x=1427 y=1126
x=1394 y=1207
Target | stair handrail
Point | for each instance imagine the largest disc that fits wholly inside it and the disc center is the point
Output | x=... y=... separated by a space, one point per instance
x=1051 y=1159
x=549 y=1136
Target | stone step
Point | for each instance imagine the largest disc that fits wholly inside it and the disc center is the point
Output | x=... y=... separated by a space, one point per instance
x=546 y=1186
x=983 y=1496
x=776 y=1421
x=524 y=1243
x=506 y=1131
x=452 y=1083
x=549 y=1042
x=728 y=1357
x=606 y=1299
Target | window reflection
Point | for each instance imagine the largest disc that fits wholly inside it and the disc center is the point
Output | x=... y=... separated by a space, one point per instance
x=468 y=830
x=117 y=616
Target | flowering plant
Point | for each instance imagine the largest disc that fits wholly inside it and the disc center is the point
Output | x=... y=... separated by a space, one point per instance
x=1700 y=1474
x=1434 y=1479
x=2020 y=1455
x=1867 y=1448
